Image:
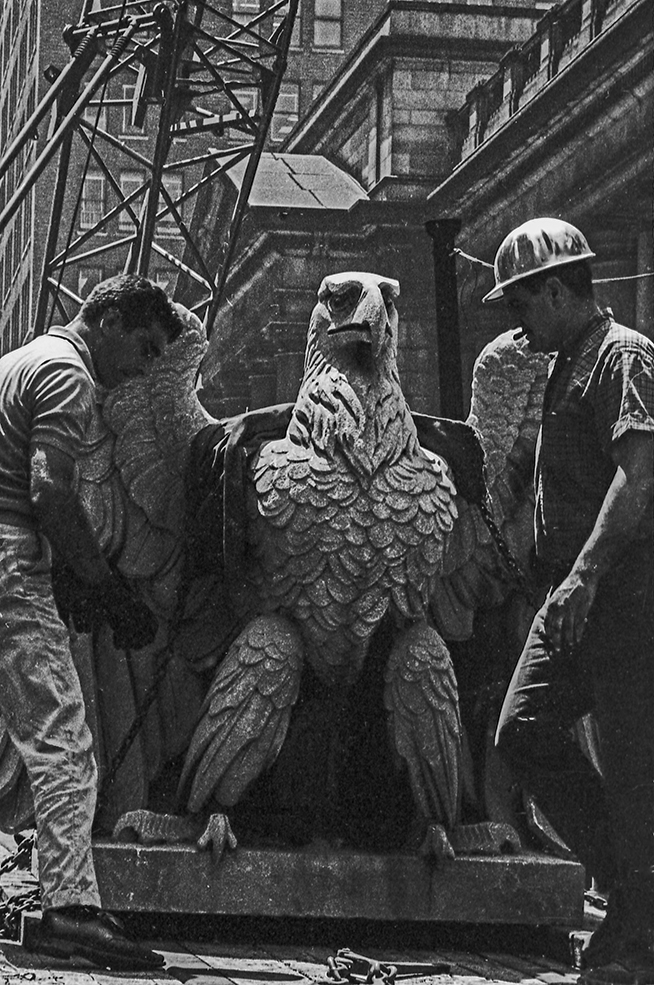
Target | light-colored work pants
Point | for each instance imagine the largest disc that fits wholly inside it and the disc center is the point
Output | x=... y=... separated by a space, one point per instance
x=41 y=701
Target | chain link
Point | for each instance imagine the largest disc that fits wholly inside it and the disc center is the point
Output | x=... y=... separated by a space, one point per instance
x=519 y=577
x=347 y=966
x=11 y=907
x=164 y=658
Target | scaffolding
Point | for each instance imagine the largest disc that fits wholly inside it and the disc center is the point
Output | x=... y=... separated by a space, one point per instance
x=192 y=70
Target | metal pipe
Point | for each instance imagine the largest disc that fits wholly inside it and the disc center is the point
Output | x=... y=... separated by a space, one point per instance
x=140 y=259
x=443 y=233
x=41 y=323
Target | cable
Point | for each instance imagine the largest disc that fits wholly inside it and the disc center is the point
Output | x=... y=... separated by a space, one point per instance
x=596 y=280
x=456 y=251
x=611 y=280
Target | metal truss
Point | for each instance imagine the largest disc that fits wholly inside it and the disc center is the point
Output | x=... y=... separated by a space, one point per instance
x=207 y=85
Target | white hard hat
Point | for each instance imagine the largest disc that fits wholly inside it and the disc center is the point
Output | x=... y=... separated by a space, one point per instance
x=535 y=246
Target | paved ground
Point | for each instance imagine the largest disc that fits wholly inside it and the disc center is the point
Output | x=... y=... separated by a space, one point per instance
x=270 y=963
x=215 y=951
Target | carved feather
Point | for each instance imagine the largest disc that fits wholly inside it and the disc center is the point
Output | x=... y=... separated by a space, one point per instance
x=507 y=395
x=421 y=698
x=246 y=713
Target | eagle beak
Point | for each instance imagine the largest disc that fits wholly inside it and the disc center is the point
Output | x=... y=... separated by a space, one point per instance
x=369 y=320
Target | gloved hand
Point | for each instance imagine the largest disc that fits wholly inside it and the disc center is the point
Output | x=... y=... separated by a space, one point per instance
x=133 y=623
x=76 y=600
x=113 y=601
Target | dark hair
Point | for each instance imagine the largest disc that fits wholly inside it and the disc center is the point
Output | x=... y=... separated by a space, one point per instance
x=576 y=276
x=139 y=301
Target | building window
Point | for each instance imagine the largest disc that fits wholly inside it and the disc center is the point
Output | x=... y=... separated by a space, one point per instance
x=93 y=200
x=87 y=278
x=128 y=128
x=249 y=100
x=163 y=278
x=286 y=111
x=328 y=24
x=26 y=302
x=167 y=225
x=33 y=25
x=15 y=330
x=130 y=181
x=96 y=116
x=296 y=34
x=6 y=284
x=244 y=10
x=27 y=209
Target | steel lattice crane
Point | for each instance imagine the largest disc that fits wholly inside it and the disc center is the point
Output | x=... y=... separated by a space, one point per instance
x=200 y=77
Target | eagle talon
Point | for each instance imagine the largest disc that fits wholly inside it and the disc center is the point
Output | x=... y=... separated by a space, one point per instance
x=148 y=828
x=436 y=845
x=218 y=836
x=486 y=838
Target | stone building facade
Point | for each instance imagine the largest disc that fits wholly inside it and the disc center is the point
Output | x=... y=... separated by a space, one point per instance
x=384 y=121
x=565 y=127
x=474 y=118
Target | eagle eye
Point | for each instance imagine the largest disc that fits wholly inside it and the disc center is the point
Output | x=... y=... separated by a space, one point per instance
x=388 y=296
x=345 y=300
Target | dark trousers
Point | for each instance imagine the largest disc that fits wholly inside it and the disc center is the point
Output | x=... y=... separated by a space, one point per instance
x=607 y=821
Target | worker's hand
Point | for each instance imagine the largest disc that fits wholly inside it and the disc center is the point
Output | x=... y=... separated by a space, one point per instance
x=133 y=623
x=76 y=600
x=566 y=611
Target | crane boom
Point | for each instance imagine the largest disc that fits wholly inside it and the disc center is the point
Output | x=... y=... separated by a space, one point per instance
x=198 y=89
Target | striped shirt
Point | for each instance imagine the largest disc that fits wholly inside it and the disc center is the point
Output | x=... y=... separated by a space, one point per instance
x=596 y=392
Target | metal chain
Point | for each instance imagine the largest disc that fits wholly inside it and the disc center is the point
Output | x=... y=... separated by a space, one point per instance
x=11 y=907
x=350 y=967
x=137 y=724
x=521 y=580
x=519 y=577
x=20 y=856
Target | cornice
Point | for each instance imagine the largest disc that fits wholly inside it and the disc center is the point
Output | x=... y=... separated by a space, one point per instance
x=610 y=66
x=384 y=40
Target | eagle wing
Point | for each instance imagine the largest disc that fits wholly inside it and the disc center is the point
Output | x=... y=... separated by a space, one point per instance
x=506 y=406
x=154 y=419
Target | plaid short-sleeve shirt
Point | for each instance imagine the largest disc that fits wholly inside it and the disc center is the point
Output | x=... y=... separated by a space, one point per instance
x=595 y=393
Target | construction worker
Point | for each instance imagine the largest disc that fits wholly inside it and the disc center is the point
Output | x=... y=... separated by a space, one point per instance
x=51 y=391
x=591 y=645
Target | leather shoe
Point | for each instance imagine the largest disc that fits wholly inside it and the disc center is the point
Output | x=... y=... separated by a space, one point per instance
x=91 y=933
x=623 y=971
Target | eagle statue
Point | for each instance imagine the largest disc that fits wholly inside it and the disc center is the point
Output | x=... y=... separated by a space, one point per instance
x=307 y=565
x=338 y=532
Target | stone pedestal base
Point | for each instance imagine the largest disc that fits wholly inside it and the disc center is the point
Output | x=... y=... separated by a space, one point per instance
x=519 y=889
